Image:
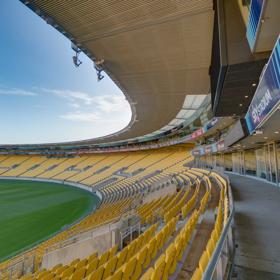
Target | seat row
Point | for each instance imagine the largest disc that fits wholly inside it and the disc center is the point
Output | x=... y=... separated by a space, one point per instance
x=220 y=222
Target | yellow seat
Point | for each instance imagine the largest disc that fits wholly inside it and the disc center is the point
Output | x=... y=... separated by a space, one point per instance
x=197 y=275
x=92 y=266
x=153 y=248
x=203 y=261
x=97 y=274
x=56 y=267
x=171 y=262
x=148 y=274
x=49 y=276
x=113 y=251
x=140 y=242
x=42 y=274
x=67 y=272
x=180 y=247
x=92 y=257
x=131 y=250
x=121 y=257
x=109 y=267
x=74 y=262
x=159 y=240
x=60 y=270
x=117 y=275
x=159 y=268
x=210 y=247
x=141 y=256
x=78 y=274
x=104 y=258
x=81 y=264
x=129 y=268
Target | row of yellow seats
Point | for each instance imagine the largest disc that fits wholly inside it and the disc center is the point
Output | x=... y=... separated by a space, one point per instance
x=95 y=267
x=221 y=219
x=167 y=262
x=146 y=213
x=175 y=209
x=191 y=203
x=120 y=261
x=134 y=268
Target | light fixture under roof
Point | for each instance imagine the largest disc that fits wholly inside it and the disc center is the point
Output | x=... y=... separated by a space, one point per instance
x=246 y=96
x=276 y=132
x=254 y=84
x=240 y=104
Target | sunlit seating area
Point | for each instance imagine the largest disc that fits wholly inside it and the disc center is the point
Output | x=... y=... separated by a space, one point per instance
x=168 y=219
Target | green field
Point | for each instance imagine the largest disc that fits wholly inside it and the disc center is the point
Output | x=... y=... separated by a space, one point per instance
x=31 y=211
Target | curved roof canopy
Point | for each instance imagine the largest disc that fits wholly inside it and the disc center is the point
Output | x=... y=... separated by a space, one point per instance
x=158 y=52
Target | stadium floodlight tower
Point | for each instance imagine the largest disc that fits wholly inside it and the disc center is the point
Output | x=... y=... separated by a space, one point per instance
x=77 y=62
x=99 y=67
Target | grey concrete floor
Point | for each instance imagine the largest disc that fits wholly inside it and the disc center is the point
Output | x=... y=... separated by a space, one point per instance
x=257 y=229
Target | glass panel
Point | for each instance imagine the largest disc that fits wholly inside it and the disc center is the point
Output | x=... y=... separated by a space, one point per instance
x=272 y=162
x=250 y=162
x=278 y=160
x=261 y=163
x=228 y=162
x=219 y=160
x=236 y=163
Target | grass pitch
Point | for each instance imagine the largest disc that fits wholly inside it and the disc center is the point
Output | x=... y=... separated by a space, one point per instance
x=31 y=211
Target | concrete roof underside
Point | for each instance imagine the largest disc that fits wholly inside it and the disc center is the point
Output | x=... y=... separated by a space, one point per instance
x=156 y=51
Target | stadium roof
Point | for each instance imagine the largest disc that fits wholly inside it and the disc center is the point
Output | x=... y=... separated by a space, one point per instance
x=158 y=52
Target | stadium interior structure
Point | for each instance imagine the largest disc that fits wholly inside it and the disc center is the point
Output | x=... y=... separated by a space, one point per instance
x=190 y=188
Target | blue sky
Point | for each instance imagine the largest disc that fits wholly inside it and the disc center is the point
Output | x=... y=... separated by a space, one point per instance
x=43 y=97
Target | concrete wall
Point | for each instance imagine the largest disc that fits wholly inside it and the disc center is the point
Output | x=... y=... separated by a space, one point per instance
x=98 y=240
x=170 y=189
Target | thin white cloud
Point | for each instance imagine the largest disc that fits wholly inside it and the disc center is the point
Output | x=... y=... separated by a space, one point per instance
x=88 y=108
x=16 y=91
x=74 y=105
x=104 y=103
x=72 y=96
x=111 y=103
x=81 y=117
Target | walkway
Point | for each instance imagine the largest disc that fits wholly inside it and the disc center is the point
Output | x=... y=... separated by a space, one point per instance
x=257 y=229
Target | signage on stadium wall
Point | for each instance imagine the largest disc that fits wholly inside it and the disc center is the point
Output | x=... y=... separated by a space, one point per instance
x=210 y=124
x=267 y=95
x=208 y=149
x=221 y=145
x=197 y=133
x=198 y=151
x=256 y=7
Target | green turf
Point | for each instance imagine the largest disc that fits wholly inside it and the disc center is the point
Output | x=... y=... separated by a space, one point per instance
x=31 y=211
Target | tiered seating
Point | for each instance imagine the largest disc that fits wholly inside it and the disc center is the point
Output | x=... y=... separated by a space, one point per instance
x=123 y=163
x=11 y=162
x=105 y=214
x=221 y=220
x=170 y=220
x=25 y=165
x=61 y=167
x=166 y=263
x=94 y=266
x=43 y=167
x=147 y=211
x=131 y=186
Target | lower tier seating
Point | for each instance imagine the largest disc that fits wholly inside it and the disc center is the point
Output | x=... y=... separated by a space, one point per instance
x=168 y=222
